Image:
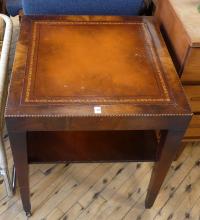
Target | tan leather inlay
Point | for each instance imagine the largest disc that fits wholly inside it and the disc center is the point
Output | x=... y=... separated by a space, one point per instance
x=108 y=62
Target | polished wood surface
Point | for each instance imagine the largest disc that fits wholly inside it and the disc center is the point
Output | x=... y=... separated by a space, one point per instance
x=39 y=101
x=193 y=130
x=179 y=21
x=190 y=73
x=193 y=94
x=105 y=191
x=143 y=87
x=91 y=146
x=188 y=13
x=173 y=32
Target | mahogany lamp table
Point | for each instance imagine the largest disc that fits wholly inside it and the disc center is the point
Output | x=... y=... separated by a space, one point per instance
x=94 y=88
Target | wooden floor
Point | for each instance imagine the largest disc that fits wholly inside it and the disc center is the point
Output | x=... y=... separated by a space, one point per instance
x=107 y=191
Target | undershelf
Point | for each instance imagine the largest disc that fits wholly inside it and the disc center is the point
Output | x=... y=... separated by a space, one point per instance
x=91 y=146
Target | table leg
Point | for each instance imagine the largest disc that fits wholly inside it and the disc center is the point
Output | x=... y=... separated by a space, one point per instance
x=169 y=145
x=19 y=150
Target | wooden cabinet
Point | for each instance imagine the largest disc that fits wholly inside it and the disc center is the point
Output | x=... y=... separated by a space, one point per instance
x=179 y=21
x=193 y=131
x=191 y=69
x=193 y=94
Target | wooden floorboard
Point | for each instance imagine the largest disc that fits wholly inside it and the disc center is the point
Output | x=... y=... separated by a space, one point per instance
x=106 y=191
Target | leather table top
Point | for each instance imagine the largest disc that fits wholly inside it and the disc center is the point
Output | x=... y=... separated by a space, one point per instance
x=73 y=66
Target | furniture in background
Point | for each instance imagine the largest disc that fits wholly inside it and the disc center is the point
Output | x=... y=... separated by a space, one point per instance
x=94 y=88
x=5 y=35
x=2 y=6
x=180 y=24
x=78 y=7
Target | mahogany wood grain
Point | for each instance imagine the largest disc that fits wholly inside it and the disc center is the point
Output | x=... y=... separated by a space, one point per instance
x=191 y=73
x=170 y=144
x=174 y=33
x=19 y=141
x=91 y=146
x=193 y=94
x=95 y=81
x=193 y=131
x=179 y=22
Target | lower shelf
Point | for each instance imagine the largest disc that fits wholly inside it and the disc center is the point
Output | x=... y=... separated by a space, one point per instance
x=91 y=146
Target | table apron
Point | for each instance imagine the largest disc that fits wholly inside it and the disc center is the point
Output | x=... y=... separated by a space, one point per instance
x=97 y=123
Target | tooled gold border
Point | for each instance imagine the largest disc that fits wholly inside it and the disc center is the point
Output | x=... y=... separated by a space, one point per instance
x=97 y=116
x=30 y=73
